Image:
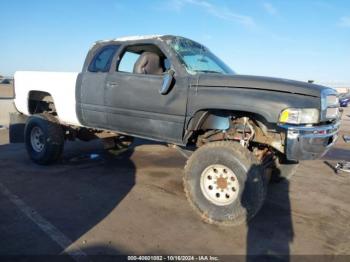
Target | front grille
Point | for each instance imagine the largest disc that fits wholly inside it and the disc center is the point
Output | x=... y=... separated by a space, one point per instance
x=330 y=105
x=332 y=101
x=332 y=112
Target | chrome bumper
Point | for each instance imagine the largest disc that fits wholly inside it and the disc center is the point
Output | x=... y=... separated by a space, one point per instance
x=307 y=143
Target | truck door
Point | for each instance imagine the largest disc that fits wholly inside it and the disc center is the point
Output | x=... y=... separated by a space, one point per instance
x=91 y=87
x=133 y=99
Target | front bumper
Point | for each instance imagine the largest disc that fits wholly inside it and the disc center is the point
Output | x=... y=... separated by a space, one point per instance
x=307 y=143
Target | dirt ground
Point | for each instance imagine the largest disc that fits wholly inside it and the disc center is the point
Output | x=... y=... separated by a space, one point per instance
x=94 y=202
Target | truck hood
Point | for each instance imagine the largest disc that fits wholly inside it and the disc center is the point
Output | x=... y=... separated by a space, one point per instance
x=260 y=82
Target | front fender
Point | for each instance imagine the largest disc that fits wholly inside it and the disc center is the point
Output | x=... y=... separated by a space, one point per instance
x=265 y=103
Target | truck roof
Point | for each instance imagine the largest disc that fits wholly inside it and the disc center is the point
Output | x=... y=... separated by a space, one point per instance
x=130 y=38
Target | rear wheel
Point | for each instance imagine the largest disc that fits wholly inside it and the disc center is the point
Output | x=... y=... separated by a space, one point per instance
x=44 y=139
x=224 y=183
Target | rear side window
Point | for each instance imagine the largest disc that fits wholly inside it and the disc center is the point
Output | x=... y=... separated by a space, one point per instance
x=103 y=59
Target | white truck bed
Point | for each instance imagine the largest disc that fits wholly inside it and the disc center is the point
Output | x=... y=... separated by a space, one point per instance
x=61 y=86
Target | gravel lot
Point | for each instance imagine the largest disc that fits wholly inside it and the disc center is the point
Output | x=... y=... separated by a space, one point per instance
x=133 y=203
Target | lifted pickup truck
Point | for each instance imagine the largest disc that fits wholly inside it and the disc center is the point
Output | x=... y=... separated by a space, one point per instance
x=174 y=90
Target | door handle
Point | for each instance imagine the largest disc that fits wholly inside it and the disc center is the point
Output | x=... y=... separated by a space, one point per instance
x=112 y=84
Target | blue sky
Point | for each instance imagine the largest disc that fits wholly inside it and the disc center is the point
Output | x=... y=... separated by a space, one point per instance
x=299 y=39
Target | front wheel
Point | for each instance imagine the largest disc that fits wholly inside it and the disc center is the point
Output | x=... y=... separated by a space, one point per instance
x=224 y=183
x=44 y=139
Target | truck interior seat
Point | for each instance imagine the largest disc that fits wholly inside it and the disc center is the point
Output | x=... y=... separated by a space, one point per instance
x=149 y=63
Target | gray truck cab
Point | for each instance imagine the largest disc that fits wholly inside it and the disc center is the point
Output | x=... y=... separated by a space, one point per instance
x=121 y=82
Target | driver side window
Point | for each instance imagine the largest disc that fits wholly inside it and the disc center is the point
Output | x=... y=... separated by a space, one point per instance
x=128 y=61
x=143 y=59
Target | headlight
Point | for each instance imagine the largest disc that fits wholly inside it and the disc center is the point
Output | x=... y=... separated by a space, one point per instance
x=300 y=116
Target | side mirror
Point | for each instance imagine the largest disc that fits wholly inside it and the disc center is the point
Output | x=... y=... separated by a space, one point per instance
x=168 y=79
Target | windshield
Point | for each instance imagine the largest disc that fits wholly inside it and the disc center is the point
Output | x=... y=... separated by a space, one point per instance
x=197 y=58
